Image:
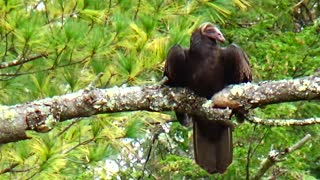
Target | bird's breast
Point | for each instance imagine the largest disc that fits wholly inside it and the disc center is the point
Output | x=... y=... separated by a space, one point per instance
x=207 y=77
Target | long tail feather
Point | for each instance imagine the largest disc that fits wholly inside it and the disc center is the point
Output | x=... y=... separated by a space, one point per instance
x=212 y=145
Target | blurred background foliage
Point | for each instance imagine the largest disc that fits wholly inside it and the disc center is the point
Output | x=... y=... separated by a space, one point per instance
x=56 y=47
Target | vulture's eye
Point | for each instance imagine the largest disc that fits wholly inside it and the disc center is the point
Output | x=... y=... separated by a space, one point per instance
x=210 y=30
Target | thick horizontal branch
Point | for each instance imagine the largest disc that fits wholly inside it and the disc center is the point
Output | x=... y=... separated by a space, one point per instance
x=42 y=115
x=269 y=92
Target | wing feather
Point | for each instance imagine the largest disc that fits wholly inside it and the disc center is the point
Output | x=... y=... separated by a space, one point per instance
x=177 y=70
x=176 y=67
x=237 y=65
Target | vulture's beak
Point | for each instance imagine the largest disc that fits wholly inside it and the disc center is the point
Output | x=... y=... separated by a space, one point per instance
x=221 y=38
x=218 y=35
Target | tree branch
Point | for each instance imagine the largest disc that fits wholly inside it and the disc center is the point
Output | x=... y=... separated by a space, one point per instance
x=284 y=122
x=43 y=114
x=22 y=60
x=254 y=95
x=9 y=169
x=276 y=156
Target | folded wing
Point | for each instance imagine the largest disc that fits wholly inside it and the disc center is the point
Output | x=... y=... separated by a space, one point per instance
x=176 y=67
x=237 y=67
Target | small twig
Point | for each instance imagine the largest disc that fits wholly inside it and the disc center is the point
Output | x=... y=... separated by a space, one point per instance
x=68 y=127
x=260 y=141
x=298 y=4
x=248 y=162
x=284 y=122
x=80 y=144
x=91 y=85
x=249 y=156
x=137 y=11
x=276 y=173
x=299 y=143
x=276 y=156
x=33 y=175
x=9 y=169
x=251 y=151
x=42 y=70
x=155 y=137
x=112 y=74
x=163 y=81
x=23 y=170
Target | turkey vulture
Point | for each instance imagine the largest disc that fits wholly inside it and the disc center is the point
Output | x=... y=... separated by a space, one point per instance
x=206 y=68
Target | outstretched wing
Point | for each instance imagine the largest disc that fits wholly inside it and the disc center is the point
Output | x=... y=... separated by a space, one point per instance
x=237 y=67
x=176 y=67
x=177 y=70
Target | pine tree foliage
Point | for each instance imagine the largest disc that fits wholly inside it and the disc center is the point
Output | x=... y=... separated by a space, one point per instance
x=55 y=47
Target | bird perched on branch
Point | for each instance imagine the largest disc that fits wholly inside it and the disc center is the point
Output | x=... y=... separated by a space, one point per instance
x=206 y=68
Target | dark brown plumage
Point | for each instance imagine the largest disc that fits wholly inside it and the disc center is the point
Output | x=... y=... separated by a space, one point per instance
x=206 y=69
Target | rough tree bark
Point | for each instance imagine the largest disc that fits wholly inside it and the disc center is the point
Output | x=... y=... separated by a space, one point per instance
x=43 y=114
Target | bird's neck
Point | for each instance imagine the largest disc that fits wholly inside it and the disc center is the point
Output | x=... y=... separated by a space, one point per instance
x=203 y=48
x=199 y=42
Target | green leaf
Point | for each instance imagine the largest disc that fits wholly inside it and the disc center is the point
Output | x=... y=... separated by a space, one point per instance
x=100 y=152
x=135 y=128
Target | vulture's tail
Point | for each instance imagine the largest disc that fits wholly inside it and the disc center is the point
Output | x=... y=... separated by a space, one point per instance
x=212 y=145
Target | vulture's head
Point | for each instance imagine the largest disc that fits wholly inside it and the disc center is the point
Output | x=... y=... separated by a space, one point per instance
x=211 y=31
